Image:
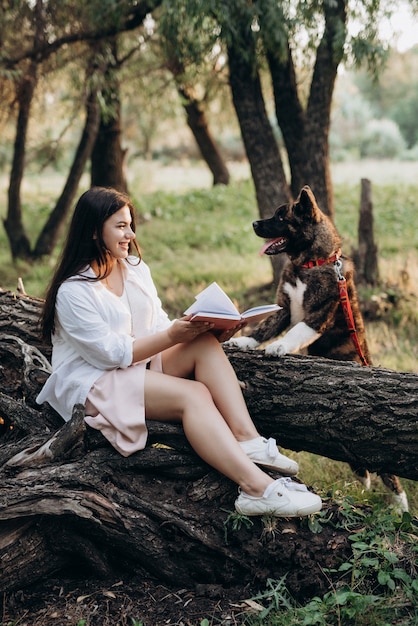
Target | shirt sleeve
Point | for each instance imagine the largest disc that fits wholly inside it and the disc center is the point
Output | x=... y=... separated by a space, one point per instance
x=81 y=323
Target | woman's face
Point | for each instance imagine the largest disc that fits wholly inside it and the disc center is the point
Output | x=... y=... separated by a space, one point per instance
x=117 y=233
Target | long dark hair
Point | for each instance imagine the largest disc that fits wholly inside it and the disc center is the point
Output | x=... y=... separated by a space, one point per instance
x=84 y=244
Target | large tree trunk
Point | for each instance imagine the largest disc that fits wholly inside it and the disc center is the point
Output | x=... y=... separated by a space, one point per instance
x=260 y=144
x=108 y=156
x=305 y=130
x=19 y=242
x=52 y=228
x=290 y=115
x=68 y=500
x=13 y=225
x=198 y=124
x=196 y=120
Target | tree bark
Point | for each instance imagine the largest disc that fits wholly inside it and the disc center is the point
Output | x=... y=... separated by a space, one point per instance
x=108 y=156
x=196 y=117
x=260 y=144
x=305 y=129
x=52 y=228
x=13 y=225
x=365 y=416
x=198 y=124
x=19 y=241
x=365 y=258
x=290 y=115
x=69 y=501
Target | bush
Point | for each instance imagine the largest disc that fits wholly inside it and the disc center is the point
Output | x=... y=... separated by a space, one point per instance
x=382 y=139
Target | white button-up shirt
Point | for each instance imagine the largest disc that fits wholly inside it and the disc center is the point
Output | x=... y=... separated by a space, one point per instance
x=95 y=330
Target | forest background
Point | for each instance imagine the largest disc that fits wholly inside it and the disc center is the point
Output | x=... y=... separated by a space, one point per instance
x=192 y=231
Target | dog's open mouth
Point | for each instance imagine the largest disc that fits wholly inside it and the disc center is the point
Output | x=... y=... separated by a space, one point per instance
x=274 y=246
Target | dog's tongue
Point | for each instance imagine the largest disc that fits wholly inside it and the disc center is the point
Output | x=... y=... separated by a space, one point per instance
x=268 y=244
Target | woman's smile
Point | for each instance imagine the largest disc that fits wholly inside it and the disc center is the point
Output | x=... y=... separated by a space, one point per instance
x=117 y=225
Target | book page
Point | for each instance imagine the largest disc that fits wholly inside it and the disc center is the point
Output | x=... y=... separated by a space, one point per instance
x=213 y=300
x=263 y=309
x=258 y=313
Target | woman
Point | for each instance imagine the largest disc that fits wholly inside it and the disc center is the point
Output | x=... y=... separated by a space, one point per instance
x=116 y=351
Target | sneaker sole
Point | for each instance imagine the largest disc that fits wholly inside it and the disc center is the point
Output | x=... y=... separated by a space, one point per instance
x=276 y=514
x=282 y=470
x=308 y=510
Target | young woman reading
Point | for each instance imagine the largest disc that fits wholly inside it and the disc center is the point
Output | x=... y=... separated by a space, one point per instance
x=116 y=351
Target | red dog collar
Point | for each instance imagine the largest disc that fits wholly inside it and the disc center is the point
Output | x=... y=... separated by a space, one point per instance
x=318 y=262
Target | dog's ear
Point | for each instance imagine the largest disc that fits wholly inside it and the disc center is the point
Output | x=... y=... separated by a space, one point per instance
x=305 y=205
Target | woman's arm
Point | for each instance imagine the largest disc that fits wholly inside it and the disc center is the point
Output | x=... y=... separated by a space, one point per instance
x=180 y=331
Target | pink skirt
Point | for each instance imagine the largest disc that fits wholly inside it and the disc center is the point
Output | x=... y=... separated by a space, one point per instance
x=116 y=407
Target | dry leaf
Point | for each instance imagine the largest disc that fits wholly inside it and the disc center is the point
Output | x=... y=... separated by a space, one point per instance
x=254 y=605
x=81 y=598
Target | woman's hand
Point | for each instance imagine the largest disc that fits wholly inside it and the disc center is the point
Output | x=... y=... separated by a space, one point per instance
x=183 y=330
x=225 y=335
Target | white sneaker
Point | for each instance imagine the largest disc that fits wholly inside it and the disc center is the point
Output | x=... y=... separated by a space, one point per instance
x=283 y=498
x=265 y=452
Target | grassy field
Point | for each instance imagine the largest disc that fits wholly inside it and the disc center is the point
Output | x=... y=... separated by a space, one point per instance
x=192 y=234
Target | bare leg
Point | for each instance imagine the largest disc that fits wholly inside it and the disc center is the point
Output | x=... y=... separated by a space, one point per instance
x=205 y=360
x=171 y=398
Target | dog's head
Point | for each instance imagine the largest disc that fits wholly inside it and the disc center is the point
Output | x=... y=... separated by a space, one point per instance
x=297 y=227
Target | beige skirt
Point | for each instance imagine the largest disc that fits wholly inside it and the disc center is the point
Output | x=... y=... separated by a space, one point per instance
x=115 y=406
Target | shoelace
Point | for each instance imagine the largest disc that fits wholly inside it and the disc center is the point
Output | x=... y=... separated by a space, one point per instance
x=272 y=449
x=283 y=483
x=291 y=485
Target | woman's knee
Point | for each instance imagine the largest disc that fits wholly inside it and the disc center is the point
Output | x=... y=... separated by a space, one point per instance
x=211 y=341
x=198 y=393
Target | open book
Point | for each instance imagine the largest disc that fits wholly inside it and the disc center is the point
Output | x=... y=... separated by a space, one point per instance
x=213 y=305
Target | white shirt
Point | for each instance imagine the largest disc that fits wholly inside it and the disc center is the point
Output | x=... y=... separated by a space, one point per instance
x=95 y=330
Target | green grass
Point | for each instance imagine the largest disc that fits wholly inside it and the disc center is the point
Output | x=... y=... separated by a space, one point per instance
x=376 y=586
x=394 y=214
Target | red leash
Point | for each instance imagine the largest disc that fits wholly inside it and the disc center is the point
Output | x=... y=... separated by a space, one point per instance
x=345 y=302
x=348 y=313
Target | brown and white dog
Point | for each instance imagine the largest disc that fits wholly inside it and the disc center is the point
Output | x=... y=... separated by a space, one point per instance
x=309 y=295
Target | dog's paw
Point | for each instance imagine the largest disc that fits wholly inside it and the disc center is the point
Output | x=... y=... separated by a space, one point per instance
x=277 y=348
x=243 y=343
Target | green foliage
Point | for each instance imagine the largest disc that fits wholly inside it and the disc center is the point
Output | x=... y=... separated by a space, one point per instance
x=395 y=94
x=394 y=217
x=405 y=114
x=382 y=139
x=234 y=522
x=351 y=112
x=377 y=584
x=188 y=32
x=275 y=597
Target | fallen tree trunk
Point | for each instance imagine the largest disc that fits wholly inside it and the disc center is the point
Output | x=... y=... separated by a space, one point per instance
x=68 y=501
x=366 y=416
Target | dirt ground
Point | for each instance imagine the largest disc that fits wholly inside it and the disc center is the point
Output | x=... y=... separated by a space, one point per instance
x=125 y=603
